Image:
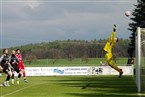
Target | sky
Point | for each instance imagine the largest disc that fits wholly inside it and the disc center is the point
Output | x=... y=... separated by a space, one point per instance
x=35 y=21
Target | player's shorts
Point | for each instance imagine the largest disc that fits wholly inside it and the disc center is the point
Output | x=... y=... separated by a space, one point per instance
x=21 y=66
x=5 y=68
x=16 y=68
x=108 y=58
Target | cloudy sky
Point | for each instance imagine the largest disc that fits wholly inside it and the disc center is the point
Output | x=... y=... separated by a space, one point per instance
x=34 y=21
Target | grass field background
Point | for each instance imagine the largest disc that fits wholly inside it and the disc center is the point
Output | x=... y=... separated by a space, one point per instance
x=73 y=86
x=73 y=62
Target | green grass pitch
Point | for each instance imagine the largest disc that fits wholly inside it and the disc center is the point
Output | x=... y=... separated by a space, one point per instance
x=73 y=86
x=73 y=62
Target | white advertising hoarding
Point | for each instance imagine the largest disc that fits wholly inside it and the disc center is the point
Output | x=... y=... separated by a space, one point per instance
x=81 y=70
x=53 y=71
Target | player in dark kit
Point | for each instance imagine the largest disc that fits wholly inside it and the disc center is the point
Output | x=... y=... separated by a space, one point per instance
x=14 y=63
x=5 y=64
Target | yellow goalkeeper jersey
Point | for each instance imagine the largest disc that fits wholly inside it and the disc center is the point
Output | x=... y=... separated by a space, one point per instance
x=110 y=43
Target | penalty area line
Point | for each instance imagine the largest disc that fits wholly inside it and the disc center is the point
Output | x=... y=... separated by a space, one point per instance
x=20 y=90
x=16 y=91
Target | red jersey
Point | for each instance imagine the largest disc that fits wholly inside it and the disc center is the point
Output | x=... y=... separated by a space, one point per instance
x=20 y=65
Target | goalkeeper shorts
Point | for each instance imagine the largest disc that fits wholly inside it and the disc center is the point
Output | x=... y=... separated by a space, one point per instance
x=108 y=58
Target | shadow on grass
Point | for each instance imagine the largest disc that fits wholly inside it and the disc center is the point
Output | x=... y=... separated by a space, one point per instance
x=108 y=86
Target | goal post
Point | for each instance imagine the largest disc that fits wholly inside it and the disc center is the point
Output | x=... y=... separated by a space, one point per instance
x=140 y=59
x=137 y=55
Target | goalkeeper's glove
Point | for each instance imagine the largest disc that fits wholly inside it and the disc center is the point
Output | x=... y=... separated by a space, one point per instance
x=114 y=28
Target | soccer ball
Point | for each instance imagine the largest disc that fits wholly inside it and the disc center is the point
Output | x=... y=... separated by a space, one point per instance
x=127 y=13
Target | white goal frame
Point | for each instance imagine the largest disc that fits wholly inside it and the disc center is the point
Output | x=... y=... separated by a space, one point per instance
x=138 y=58
x=138 y=45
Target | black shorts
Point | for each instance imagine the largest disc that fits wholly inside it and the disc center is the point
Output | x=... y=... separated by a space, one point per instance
x=5 y=68
x=16 y=68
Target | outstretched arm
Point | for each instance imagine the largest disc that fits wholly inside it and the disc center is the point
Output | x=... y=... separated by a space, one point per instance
x=113 y=34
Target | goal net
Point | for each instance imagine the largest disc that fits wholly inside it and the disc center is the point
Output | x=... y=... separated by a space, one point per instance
x=140 y=59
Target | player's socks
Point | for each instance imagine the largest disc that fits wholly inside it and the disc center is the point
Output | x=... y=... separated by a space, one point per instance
x=8 y=78
x=24 y=74
x=18 y=78
x=12 y=76
x=25 y=80
x=7 y=83
x=18 y=81
x=12 y=81
x=19 y=75
x=1 y=85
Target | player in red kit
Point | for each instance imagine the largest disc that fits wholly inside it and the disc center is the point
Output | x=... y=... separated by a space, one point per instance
x=20 y=64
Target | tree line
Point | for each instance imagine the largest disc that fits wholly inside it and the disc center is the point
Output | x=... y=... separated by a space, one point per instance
x=71 y=49
x=138 y=20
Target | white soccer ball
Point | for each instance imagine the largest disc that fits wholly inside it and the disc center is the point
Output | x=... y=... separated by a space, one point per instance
x=127 y=13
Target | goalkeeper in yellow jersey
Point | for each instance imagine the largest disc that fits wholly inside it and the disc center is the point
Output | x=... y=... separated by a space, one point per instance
x=108 y=49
